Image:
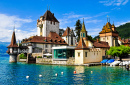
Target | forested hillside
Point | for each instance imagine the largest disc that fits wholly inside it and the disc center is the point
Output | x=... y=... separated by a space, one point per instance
x=124 y=30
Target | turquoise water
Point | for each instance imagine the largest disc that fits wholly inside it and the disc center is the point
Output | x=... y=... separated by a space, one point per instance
x=15 y=74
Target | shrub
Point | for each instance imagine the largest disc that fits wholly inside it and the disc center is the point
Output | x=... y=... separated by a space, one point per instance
x=22 y=56
x=39 y=56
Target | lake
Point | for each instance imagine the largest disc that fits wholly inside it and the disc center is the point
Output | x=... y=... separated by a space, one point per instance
x=15 y=74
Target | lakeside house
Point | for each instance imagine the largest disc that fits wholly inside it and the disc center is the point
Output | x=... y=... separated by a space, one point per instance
x=63 y=50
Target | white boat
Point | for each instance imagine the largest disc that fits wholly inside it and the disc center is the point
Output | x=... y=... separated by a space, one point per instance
x=124 y=63
x=115 y=63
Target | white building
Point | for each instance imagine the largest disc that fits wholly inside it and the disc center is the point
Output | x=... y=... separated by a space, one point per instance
x=69 y=37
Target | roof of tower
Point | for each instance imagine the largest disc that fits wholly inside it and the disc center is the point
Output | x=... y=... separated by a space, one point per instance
x=107 y=28
x=49 y=16
x=13 y=41
x=81 y=44
x=83 y=27
x=66 y=33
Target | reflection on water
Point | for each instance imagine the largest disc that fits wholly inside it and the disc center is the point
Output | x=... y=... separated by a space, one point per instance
x=15 y=73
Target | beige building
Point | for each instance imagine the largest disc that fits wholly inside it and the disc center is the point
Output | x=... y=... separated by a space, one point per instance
x=89 y=51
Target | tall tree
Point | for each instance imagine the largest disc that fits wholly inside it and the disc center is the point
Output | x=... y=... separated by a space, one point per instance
x=78 y=29
x=119 y=51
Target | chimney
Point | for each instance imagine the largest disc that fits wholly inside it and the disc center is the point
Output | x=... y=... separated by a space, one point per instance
x=97 y=40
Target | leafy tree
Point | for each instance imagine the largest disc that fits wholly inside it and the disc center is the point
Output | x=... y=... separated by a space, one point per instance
x=120 y=51
x=22 y=56
x=90 y=37
x=78 y=29
x=96 y=37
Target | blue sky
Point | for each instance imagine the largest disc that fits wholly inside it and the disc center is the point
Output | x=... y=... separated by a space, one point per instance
x=24 y=14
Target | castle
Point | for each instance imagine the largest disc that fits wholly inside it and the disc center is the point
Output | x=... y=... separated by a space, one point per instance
x=48 y=41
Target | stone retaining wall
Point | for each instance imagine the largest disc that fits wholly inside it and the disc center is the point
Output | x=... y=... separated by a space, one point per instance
x=22 y=60
x=36 y=54
x=44 y=60
x=70 y=61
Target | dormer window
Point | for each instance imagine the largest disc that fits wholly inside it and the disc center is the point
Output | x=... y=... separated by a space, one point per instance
x=55 y=40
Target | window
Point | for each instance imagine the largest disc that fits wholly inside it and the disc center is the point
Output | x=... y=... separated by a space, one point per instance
x=45 y=50
x=78 y=54
x=85 y=54
x=46 y=46
x=83 y=34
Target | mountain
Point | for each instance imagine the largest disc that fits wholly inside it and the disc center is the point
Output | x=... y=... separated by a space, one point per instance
x=3 y=48
x=124 y=30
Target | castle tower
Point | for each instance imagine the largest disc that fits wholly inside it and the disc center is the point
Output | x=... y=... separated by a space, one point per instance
x=13 y=49
x=109 y=34
x=47 y=23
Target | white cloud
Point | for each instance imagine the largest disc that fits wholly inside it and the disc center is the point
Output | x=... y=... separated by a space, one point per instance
x=114 y=2
x=7 y=25
x=93 y=21
x=101 y=14
x=126 y=1
x=121 y=23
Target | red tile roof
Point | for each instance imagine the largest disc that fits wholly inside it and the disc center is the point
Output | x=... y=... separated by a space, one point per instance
x=81 y=44
x=53 y=38
x=101 y=44
x=13 y=41
x=66 y=33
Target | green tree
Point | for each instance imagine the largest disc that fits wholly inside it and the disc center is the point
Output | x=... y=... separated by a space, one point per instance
x=96 y=37
x=90 y=37
x=22 y=56
x=78 y=29
x=120 y=51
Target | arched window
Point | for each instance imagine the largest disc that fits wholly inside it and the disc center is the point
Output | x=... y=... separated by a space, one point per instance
x=83 y=34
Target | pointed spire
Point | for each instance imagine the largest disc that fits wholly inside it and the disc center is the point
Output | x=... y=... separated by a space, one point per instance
x=107 y=18
x=83 y=27
x=13 y=41
x=14 y=28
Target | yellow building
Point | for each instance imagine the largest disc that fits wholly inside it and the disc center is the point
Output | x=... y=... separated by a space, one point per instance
x=109 y=34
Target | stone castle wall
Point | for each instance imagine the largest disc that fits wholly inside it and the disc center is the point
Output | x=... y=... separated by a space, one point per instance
x=70 y=61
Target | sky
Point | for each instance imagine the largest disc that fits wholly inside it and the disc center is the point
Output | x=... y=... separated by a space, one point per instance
x=23 y=15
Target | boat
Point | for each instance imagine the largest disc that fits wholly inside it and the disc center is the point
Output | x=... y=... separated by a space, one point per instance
x=104 y=61
x=110 y=61
x=115 y=63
